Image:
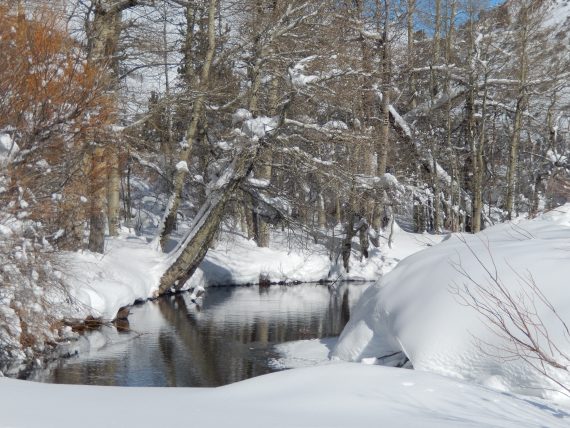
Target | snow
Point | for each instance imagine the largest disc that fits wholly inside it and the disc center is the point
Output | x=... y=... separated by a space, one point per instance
x=241 y=115
x=259 y=126
x=260 y=183
x=182 y=166
x=415 y=309
x=555 y=158
x=297 y=76
x=337 y=395
x=8 y=148
x=131 y=268
x=237 y=260
x=336 y=125
x=559 y=14
x=304 y=353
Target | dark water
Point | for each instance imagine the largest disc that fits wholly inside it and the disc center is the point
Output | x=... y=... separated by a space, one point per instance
x=228 y=338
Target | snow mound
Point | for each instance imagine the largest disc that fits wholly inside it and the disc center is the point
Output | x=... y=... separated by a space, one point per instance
x=237 y=260
x=418 y=309
x=303 y=353
x=337 y=395
x=101 y=284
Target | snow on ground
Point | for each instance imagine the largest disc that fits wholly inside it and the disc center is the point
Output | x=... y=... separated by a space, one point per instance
x=415 y=310
x=130 y=269
x=338 y=395
x=304 y=353
x=291 y=258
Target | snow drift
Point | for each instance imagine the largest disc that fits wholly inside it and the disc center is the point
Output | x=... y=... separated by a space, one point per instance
x=337 y=395
x=419 y=310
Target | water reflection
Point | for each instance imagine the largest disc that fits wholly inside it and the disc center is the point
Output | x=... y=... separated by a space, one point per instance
x=228 y=338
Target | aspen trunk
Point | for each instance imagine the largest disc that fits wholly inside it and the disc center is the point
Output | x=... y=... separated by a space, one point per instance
x=513 y=159
x=265 y=170
x=322 y=216
x=410 y=29
x=168 y=222
x=113 y=192
x=97 y=202
x=436 y=47
x=520 y=108
x=347 y=243
x=385 y=127
x=103 y=42
x=364 y=241
x=452 y=222
x=478 y=170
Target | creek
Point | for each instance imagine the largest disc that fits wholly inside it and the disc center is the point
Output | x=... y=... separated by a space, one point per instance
x=226 y=336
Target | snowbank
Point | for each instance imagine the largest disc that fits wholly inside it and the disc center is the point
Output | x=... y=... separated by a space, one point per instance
x=415 y=309
x=131 y=268
x=338 y=395
x=294 y=258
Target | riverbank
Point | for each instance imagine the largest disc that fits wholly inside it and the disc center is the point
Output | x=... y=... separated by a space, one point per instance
x=130 y=269
x=98 y=287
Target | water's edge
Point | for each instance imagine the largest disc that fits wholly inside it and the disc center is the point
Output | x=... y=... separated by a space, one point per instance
x=227 y=336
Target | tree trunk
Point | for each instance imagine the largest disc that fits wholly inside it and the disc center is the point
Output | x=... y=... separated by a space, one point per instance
x=410 y=29
x=347 y=243
x=97 y=179
x=169 y=219
x=513 y=158
x=103 y=44
x=113 y=191
x=363 y=238
x=265 y=169
x=436 y=47
x=520 y=108
x=478 y=170
x=193 y=247
x=385 y=126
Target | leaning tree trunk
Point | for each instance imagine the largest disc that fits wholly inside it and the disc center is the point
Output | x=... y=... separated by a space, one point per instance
x=193 y=248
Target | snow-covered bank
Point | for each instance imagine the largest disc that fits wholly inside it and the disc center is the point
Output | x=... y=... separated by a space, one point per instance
x=339 y=395
x=415 y=309
x=130 y=269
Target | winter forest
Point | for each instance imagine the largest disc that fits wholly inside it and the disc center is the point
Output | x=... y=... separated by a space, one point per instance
x=195 y=193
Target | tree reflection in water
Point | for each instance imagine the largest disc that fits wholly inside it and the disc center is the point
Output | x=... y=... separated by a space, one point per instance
x=230 y=337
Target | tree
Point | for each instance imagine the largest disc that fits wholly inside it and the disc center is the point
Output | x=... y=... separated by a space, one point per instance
x=55 y=104
x=52 y=105
x=169 y=219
